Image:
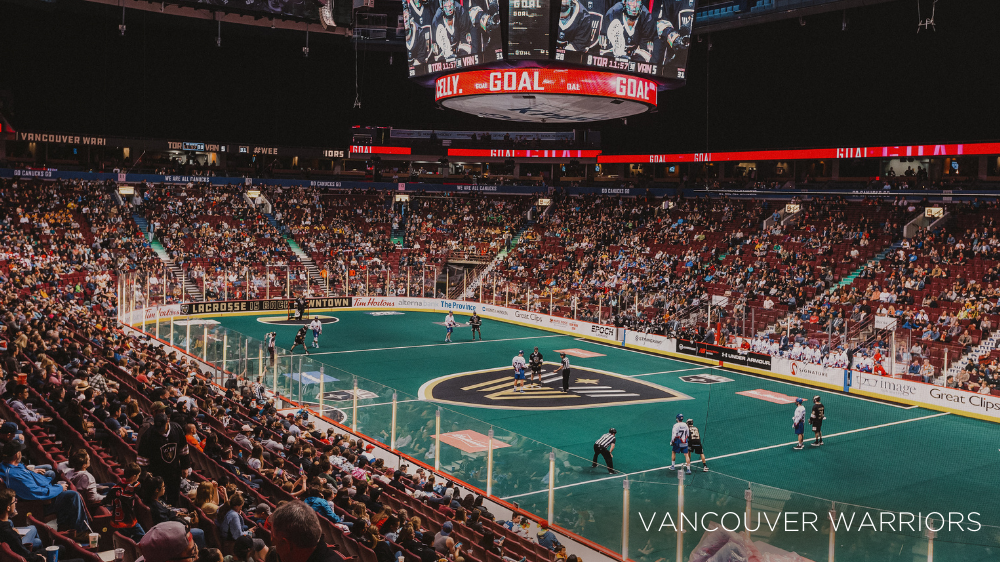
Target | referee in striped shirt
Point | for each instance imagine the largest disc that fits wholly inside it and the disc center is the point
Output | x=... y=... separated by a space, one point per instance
x=603 y=447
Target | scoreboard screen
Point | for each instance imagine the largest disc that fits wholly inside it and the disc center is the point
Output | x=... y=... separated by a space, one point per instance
x=443 y=35
x=644 y=37
x=528 y=31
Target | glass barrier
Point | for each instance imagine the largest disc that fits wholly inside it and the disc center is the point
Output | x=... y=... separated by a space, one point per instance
x=724 y=517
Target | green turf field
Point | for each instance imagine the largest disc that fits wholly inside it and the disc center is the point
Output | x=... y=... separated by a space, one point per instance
x=876 y=455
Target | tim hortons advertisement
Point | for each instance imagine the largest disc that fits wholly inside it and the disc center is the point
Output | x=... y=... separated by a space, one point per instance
x=728 y=355
x=152 y=313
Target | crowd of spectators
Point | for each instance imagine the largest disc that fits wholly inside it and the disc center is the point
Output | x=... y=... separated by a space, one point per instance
x=236 y=466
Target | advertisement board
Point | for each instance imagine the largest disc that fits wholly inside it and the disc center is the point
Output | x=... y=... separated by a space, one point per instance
x=736 y=357
x=546 y=81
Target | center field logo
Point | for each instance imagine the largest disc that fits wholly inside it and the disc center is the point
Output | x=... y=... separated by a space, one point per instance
x=588 y=388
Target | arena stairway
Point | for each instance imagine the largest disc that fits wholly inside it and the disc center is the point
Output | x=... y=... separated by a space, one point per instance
x=482 y=273
x=191 y=289
x=314 y=273
x=986 y=347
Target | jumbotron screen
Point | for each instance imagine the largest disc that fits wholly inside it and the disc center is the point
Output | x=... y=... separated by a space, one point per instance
x=645 y=37
x=528 y=34
x=444 y=35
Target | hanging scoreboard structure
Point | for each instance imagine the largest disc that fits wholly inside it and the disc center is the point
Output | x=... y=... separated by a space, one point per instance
x=549 y=61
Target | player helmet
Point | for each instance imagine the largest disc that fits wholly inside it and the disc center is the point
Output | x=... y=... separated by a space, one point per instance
x=631 y=8
x=448 y=8
x=690 y=421
x=798 y=400
x=816 y=399
x=612 y=431
x=680 y=417
x=567 y=7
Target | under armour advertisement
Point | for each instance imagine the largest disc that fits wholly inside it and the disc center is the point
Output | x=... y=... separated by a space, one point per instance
x=451 y=34
x=650 y=37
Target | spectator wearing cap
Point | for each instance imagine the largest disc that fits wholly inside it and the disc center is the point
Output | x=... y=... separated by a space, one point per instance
x=66 y=504
x=243 y=438
x=248 y=549
x=168 y=542
x=296 y=535
x=443 y=543
x=546 y=537
x=10 y=432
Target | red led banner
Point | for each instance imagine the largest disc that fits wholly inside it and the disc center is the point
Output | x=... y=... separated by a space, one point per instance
x=541 y=81
x=499 y=153
x=367 y=149
x=811 y=153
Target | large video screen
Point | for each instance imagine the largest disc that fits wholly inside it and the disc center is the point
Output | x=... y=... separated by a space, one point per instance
x=451 y=34
x=650 y=37
x=528 y=30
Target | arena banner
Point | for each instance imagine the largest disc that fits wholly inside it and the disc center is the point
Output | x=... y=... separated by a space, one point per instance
x=650 y=342
x=262 y=305
x=982 y=406
x=152 y=313
x=736 y=357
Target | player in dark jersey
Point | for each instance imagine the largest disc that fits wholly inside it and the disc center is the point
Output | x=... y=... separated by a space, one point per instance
x=674 y=20
x=485 y=18
x=694 y=443
x=579 y=29
x=417 y=17
x=475 y=321
x=629 y=32
x=816 y=421
x=535 y=361
x=300 y=339
x=452 y=31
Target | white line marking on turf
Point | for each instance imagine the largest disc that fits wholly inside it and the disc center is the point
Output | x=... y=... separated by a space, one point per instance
x=674 y=371
x=431 y=345
x=622 y=475
x=381 y=404
x=832 y=435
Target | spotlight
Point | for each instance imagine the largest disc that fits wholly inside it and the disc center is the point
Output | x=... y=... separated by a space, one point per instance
x=305 y=52
x=121 y=29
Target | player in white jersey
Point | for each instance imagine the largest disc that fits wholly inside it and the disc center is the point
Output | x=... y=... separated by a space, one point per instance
x=799 y=423
x=317 y=328
x=773 y=349
x=519 y=366
x=679 y=443
x=449 y=324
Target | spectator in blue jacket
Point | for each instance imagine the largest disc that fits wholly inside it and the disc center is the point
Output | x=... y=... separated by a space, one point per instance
x=28 y=485
x=546 y=537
